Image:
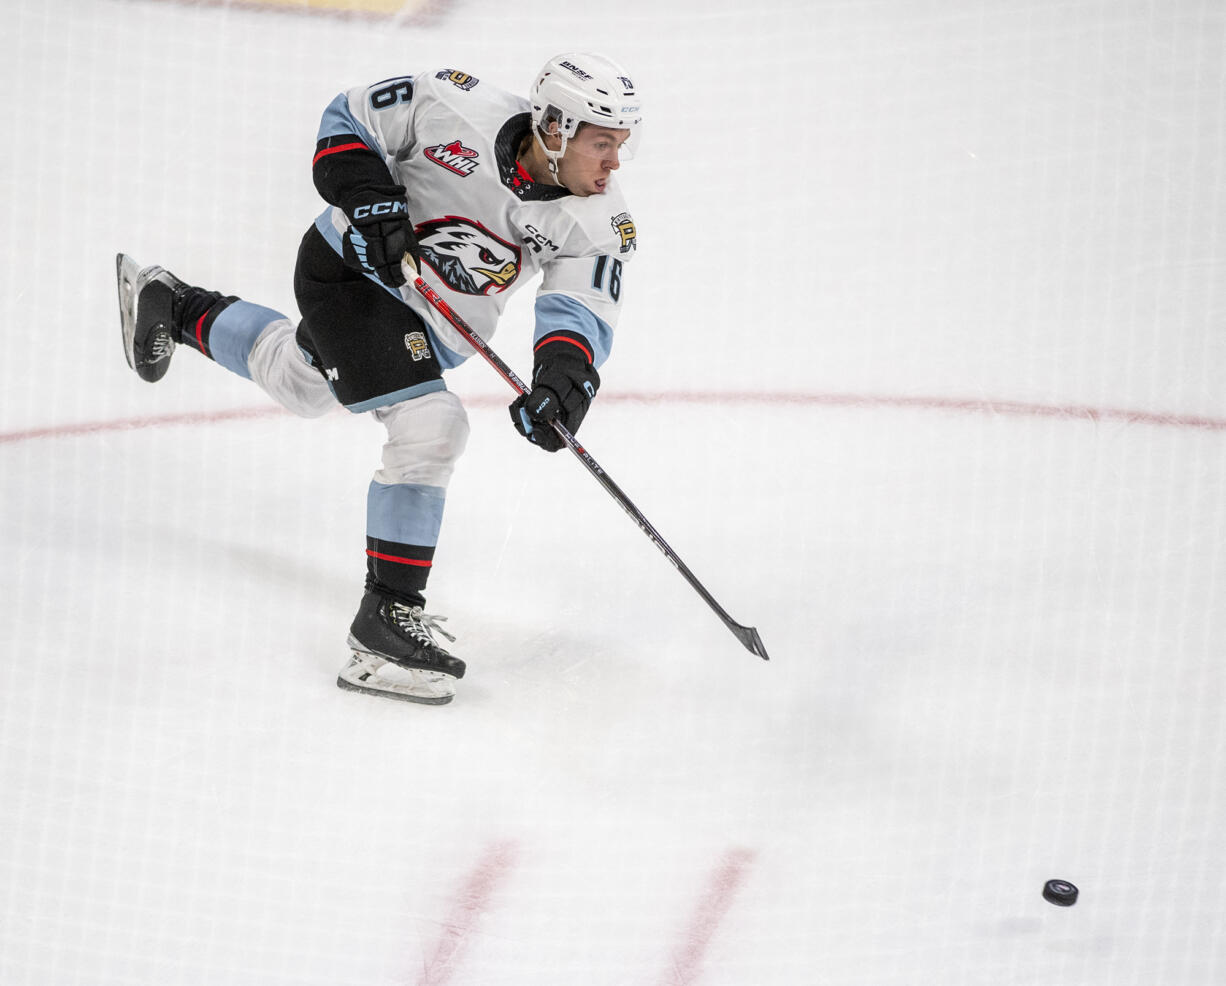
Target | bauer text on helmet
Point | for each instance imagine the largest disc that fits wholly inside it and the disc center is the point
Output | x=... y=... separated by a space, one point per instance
x=588 y=105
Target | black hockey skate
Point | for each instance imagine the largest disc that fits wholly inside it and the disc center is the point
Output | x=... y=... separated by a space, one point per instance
x=395 y=653
x=147 y=298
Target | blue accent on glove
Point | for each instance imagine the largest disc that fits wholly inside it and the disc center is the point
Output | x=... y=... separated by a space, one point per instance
x=379 y=234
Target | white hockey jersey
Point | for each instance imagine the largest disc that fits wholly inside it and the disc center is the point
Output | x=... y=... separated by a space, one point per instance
x=484 y=228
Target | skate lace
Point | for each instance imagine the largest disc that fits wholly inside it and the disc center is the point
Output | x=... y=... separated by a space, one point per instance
x=161 y=347
x=421 y=626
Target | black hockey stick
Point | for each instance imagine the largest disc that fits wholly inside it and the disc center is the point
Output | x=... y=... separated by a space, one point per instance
x=746 y=635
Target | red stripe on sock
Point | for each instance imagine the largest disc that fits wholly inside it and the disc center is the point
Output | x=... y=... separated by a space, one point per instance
x=398 y=560
x=200 y=333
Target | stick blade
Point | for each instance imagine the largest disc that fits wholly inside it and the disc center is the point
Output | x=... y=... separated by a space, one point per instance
x=752 y=641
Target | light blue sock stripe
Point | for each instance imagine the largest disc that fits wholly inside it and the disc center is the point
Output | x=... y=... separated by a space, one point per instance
x=405 y=513
x=233 y=334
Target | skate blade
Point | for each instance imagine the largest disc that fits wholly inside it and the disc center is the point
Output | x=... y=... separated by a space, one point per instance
x=374 y=676
x=126 y=271
x=131 y=280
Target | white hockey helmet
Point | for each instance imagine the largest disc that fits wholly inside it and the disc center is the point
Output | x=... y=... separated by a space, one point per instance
x=577 y=88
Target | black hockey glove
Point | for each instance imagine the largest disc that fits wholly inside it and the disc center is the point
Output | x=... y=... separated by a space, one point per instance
x=563 y=385
x=380 y=233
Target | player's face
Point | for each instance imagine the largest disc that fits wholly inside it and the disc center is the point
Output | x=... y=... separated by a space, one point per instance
x=591 y=156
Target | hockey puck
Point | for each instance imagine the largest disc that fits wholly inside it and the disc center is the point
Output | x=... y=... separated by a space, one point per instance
x=1060 y=892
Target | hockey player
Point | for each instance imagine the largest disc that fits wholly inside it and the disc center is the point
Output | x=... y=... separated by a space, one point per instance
x=478 y=190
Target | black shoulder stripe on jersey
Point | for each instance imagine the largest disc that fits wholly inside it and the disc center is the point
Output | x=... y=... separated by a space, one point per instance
x=338 y=143
x=344 y=163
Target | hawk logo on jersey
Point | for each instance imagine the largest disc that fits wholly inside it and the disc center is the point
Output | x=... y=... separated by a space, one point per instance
x=454 y=157
x=623 y=225
x=461 y=80
x=467 y=256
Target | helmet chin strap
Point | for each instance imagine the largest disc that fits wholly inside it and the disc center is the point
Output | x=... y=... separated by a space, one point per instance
x=551 y=157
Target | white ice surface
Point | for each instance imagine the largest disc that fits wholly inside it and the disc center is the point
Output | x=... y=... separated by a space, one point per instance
x=996 y=635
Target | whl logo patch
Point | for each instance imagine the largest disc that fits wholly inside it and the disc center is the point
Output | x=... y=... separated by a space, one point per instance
x=455 y=157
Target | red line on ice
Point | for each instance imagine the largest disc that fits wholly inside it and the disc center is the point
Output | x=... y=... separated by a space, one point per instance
x=1072 y=412
x=966 y=405
x=130 y=424
x=713 y=905
x=472 y=901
